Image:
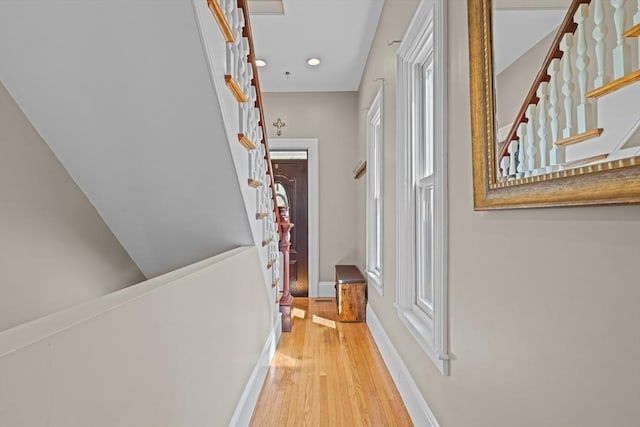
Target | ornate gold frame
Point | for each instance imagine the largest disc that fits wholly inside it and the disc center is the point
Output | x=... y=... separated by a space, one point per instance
x=615 y=182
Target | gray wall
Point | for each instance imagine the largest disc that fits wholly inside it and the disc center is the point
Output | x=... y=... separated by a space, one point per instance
x=167 y=352
x=543 y=303
x=55 y=250
x=514 y=82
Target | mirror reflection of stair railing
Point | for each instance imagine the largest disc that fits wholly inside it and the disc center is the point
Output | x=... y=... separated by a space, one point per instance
x=566 y=121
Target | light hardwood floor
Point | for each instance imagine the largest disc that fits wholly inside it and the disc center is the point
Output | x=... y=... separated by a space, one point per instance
x=321 y=376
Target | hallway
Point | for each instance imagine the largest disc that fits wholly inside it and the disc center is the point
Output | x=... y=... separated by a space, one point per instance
x=326 y=376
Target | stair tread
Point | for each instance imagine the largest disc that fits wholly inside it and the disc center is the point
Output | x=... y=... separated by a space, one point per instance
x=591 y=133
x=614 y=85
x=633 y=31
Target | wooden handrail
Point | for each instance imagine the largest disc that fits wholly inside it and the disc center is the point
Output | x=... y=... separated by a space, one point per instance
x=246 y=32
x=567 y=26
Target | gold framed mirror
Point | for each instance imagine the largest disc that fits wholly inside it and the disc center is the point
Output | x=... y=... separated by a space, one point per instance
x=543 y=172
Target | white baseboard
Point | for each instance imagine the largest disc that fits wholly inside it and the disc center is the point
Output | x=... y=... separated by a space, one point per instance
x=326 y=289
x=417 y=407
x=249 y=398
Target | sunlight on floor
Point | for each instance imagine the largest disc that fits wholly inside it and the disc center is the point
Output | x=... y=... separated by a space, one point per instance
x=324 y=322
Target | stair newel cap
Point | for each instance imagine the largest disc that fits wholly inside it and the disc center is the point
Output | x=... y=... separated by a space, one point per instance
x=581 y=14
x=240 y=17
x=567 y=42
x=542 y=90
x=531 y=111
x=554 y=66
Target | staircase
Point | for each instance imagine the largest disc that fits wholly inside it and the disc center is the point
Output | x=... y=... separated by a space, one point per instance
x=581 y=108
x=154 y=109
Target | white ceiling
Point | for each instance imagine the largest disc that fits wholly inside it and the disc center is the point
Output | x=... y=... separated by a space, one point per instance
x=517 y=31
x=339 y=32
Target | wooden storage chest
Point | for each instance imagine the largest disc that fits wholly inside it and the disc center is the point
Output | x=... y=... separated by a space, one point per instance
x=351 y=294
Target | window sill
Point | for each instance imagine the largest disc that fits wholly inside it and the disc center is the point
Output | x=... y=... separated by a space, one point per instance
x=421 y=327
x=375 y=280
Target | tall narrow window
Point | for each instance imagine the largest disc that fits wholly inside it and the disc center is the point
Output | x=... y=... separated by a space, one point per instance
x=421 y=182
x=374 y=192
x=424 y=189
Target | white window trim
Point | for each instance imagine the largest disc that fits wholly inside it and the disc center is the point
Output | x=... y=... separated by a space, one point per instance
x=375 y=173
x=426 y=35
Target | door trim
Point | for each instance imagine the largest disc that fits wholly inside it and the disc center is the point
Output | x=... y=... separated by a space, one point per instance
x=313 y=251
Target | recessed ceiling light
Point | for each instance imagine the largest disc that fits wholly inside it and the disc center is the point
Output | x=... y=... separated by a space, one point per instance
x=314 y=62
x=261 y=62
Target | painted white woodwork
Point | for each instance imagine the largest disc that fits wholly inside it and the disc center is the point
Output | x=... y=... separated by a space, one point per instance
x=556 y=158
x=522 y=130
x=636 y=21
x=554 y=107
x=249 y=398
x=504 y=166
x=267 y=229
x=554 y=113
x=542 y=94
x=229 y=8
x=425 y=37
x=599 y=34
x=584 y=114
x=513 y=152
x=567 y=84
x=418 y=408
x=532 y=150
x=374 y=192
x=622 y=51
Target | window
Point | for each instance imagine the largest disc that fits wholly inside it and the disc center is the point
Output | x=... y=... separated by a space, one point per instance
x=374 y=192
x=421 y=179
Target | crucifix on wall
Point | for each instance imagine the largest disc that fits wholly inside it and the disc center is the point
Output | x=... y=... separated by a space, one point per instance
x=279 y=124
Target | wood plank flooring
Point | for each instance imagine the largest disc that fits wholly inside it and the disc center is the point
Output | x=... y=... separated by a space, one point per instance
x=324 y=376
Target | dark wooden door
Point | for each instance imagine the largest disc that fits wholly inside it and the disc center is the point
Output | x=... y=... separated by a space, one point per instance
x=292 y=174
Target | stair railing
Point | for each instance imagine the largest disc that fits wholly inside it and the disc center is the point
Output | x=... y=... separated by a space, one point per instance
x=241 y=77
x=554 y=115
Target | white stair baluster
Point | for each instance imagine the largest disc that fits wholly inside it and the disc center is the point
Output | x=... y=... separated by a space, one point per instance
x=554 y=113
x=567 y=86
x=599 y=34
x=504 y=166
x=542 y=124
x=585 y=110
x=531 y=140
x=554 y=108
x=636 y=21
x=513 y=149
x=228 y=7
x=522 y=128
x=622 y=51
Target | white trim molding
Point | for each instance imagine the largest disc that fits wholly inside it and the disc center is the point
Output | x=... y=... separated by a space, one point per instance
x=249 y=398
x=327 y=290
x=424 y=41
x=311 y=146
x=375 y=179
x=418 y=408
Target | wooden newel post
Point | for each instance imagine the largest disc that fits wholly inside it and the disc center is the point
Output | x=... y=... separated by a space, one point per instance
x=285 y=243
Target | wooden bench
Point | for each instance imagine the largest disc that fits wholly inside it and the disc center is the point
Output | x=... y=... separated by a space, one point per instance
x=351 y=294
